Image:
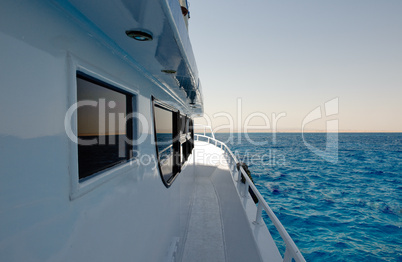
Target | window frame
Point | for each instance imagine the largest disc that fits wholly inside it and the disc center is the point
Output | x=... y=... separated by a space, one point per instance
x=187 y=144
x=77 y=188
x=129 y=124
x=177 y=146
x=175 y=170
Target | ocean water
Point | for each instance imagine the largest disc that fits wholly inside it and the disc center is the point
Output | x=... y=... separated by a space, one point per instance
x=346 y=206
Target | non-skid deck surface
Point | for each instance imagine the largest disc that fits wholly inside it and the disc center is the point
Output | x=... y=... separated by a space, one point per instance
x=217 y=227
x=205 y=241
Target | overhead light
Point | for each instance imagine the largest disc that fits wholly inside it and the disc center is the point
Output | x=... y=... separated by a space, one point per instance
x=139 y=35
x=168 y=71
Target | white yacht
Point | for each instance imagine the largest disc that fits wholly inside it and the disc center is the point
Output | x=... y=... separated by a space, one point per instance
x=98 y=156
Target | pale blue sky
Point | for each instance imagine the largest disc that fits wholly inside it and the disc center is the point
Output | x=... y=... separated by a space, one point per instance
x=292 y=56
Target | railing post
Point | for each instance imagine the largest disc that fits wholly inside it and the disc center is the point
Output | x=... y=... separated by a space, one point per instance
x=245 y=192
x=287 y=257
x=233 y=164
x=239 y=177
x=208 y=140
x=258 y=215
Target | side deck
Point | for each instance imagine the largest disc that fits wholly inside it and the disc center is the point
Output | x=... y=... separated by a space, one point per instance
x=220 y=226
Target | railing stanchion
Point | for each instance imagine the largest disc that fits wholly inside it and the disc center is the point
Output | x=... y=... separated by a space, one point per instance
x=287 y=257
x=245 y=192
x=258 y=216
x=239 y=178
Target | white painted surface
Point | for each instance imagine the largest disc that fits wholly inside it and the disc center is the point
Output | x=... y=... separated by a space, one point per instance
x=220 y=228
x=204 y=240
x=129 y=215
x=125 y=214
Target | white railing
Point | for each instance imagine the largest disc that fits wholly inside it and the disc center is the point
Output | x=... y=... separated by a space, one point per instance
x=164 y=150
x=205 y=129
x=291 y=252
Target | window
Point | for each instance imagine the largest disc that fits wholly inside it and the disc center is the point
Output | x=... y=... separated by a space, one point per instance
x=164 y=141
x=103 y=130
x=186 y=138
x=183 y=138
x=172 y=136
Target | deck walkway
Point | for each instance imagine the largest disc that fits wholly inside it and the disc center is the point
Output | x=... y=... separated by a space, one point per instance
x=218 y=228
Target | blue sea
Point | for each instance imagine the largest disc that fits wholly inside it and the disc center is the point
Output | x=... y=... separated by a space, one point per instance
x=340 y=197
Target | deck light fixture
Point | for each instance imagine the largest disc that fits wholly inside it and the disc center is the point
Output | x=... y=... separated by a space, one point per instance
x=139 y=35
x=168 y=71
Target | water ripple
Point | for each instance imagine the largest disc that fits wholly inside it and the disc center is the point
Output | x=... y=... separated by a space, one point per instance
x=348 y=211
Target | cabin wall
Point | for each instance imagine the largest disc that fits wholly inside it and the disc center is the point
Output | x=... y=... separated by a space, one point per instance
x=129 y=215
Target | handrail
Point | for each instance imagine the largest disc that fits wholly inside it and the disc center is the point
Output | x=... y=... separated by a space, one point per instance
x=291 y=251
x=163 y=150
x=205 y=127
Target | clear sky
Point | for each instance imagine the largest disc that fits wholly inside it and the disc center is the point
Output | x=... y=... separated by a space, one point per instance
x=292 y=56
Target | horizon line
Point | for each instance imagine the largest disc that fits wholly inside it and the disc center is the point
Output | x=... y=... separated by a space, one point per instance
x=314 y=131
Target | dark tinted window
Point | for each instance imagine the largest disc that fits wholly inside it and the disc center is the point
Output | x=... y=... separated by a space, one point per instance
x=172 y=136
x=101 y=125
x=164 y=140
x=190 y=138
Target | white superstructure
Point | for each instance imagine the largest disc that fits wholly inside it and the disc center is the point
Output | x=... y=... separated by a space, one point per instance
x=126 y=67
